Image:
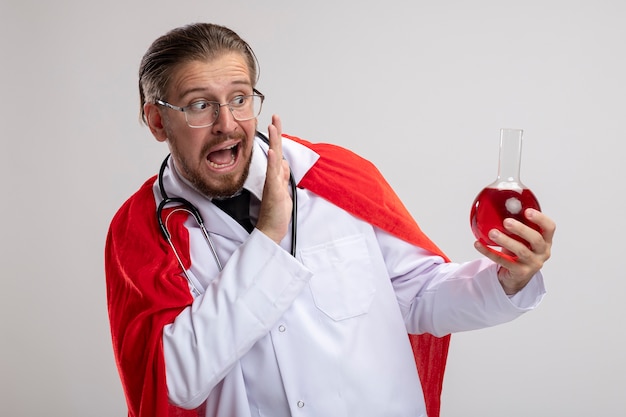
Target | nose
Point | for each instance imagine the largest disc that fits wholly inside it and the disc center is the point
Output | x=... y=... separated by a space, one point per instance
x=225 y=122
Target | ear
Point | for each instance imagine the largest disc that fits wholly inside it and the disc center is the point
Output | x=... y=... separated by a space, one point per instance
x=155 y=121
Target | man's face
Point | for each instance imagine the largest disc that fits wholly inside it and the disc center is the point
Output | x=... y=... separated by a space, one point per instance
x=214 y=159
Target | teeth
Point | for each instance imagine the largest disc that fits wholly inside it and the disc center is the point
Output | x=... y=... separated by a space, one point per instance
x=214 y=165
x=229 y=163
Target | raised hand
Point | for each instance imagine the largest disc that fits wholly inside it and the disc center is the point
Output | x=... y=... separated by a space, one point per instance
x=276 y=204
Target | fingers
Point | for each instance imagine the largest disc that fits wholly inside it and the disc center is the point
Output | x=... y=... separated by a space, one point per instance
x=275 y=131
x=276 y=203
x=504 y=258
x=275 y=167
x=520 y=261
x=530 y=250
x=546 y=224
x=540 y=241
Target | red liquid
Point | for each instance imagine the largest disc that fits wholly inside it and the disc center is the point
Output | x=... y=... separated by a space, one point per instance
x=493 y=205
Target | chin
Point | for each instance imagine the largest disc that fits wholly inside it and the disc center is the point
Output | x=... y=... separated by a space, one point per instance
x=225 y=185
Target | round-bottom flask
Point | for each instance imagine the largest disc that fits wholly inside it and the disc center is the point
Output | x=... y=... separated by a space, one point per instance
x=507 y=196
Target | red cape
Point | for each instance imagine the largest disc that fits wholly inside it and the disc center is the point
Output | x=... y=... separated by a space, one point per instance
x=145 y=289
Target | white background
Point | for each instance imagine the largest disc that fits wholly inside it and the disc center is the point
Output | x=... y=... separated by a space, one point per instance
x=420 y=88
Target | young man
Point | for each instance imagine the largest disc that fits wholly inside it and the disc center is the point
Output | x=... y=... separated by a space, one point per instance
x=253 y=320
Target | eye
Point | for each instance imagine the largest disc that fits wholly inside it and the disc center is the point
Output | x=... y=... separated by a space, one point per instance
x=199 y=106
x=238 y=101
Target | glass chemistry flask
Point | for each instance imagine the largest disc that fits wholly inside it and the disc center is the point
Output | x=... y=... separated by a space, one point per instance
x=507 y=196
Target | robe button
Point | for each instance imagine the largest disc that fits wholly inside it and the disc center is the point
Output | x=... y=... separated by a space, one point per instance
x=281 y=328
x=300 y=404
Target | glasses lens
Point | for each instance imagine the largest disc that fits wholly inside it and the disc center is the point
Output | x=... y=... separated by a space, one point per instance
x=246 y=107
x=205 y=113
x=201 y=113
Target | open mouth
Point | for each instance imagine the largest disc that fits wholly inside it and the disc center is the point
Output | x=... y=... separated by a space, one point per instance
x=223 y=158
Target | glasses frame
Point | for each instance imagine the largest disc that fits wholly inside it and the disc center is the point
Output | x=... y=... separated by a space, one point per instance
x=255 y=93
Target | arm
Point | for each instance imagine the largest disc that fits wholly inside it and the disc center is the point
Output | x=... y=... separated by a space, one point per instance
x=441 y=298
x=258 y=283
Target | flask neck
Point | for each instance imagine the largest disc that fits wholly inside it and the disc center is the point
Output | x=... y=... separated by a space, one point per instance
x=510 y=156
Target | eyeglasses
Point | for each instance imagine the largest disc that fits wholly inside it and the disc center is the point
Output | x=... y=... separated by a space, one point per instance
x=203 y=113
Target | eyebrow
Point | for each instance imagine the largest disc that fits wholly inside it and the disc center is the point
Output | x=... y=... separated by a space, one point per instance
x=204 y=89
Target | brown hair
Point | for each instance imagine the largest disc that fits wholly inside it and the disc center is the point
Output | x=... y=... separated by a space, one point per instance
x=200 y=41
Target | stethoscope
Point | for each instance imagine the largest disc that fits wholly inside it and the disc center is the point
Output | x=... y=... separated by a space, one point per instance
x=183 y=204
